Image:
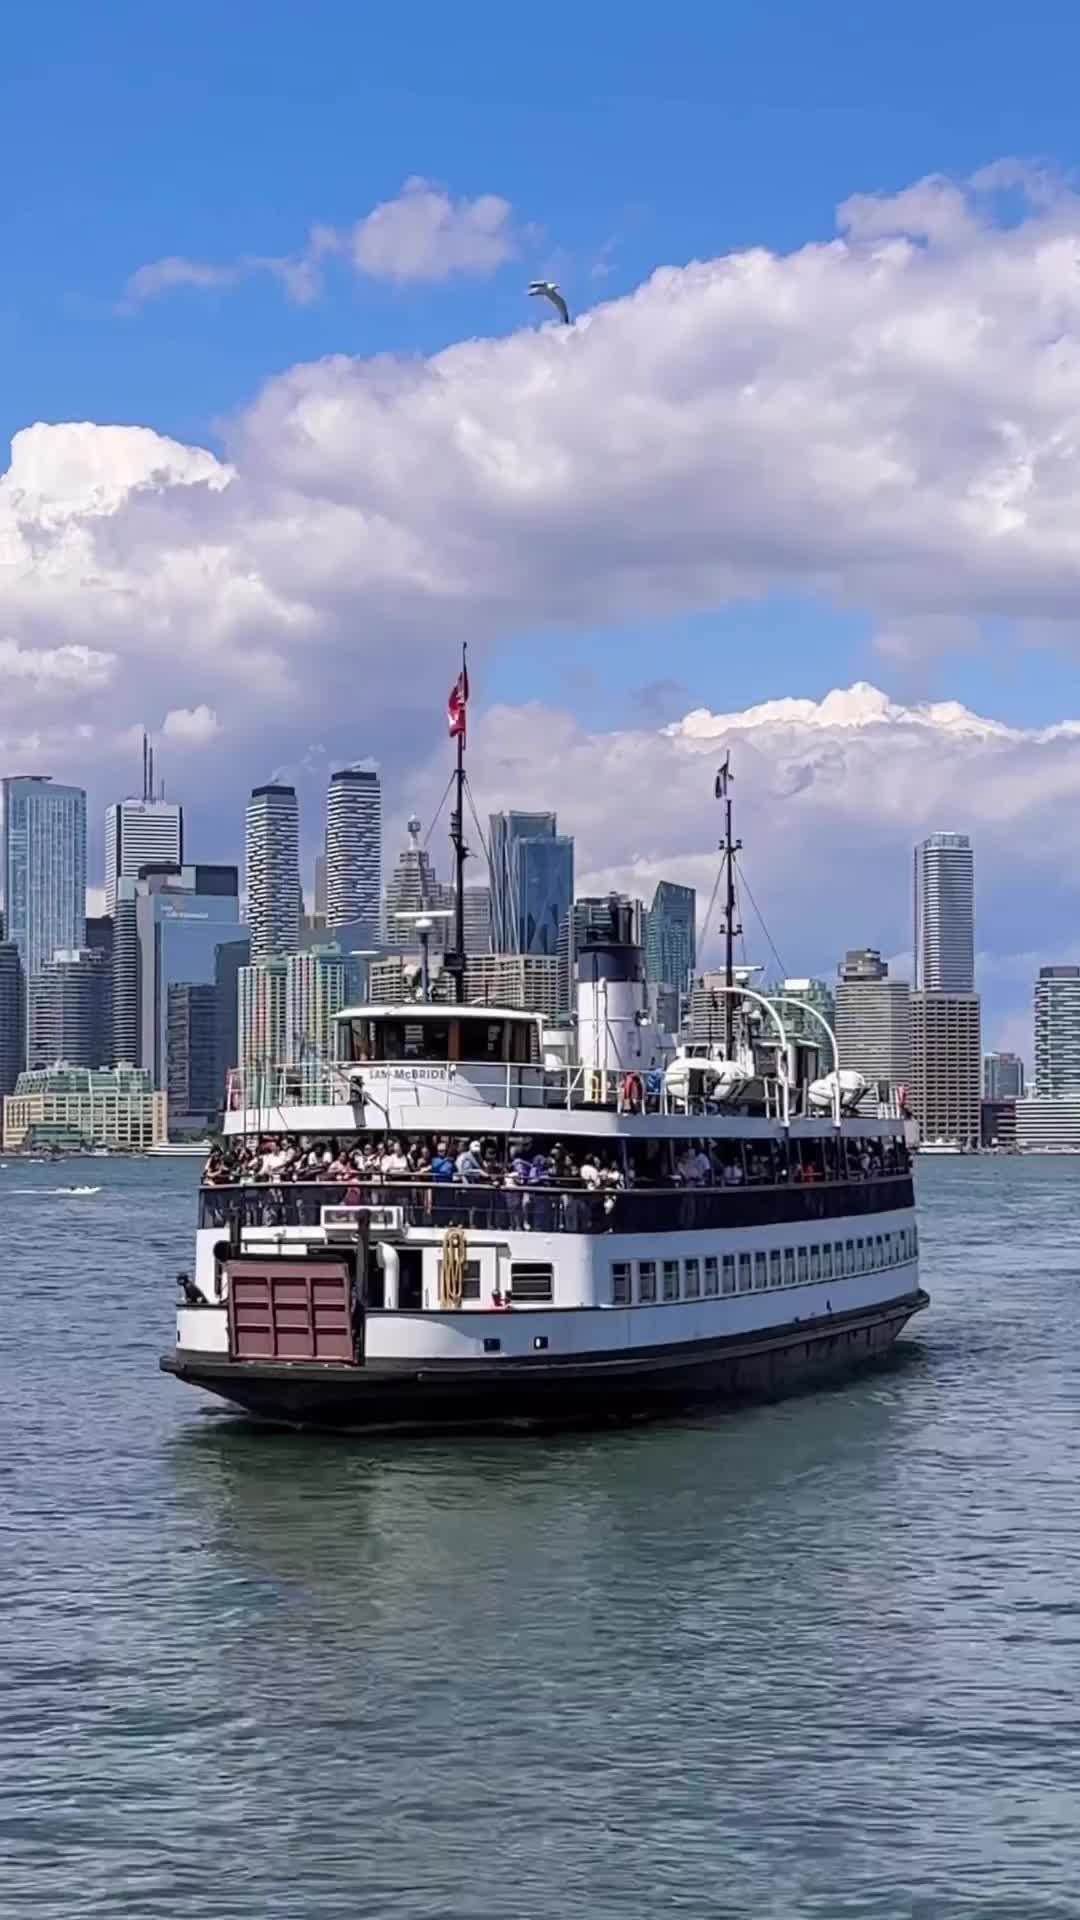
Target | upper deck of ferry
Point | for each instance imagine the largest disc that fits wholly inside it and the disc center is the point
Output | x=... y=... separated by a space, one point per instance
x=414 y=1064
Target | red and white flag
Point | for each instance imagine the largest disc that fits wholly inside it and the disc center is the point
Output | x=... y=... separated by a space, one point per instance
x=457 y=704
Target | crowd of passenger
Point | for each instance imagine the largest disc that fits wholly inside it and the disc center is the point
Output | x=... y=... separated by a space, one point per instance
x=597 y=1167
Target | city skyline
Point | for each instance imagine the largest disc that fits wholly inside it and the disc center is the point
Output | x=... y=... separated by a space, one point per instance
x=308 y=830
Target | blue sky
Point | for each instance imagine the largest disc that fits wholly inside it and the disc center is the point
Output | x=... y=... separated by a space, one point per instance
x=630 y=137
x=624 y=140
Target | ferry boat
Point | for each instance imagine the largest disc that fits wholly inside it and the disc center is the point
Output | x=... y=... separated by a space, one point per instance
x=453 y=1224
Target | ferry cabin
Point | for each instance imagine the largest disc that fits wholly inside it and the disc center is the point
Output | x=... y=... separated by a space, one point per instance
x=606 y=1247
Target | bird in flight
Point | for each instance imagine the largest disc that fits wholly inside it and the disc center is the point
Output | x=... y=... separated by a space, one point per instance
x=547 y=290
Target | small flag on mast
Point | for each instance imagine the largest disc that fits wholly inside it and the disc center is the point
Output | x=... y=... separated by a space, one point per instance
x=457 y=704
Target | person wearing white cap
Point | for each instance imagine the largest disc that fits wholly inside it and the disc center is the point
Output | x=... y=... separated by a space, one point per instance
x=470 y=1168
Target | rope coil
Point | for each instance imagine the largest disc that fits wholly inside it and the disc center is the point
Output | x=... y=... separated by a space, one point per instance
x=452 y=1272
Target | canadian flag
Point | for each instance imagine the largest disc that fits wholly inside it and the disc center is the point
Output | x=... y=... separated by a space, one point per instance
x=457 y=704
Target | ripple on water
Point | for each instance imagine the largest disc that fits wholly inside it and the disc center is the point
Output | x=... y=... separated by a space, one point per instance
x=816 y=1659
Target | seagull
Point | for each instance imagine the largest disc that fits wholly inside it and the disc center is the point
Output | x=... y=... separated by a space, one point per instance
x=547 y=290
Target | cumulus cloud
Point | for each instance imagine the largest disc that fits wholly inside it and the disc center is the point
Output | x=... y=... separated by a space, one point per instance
x=831 y=797
x=195 y=726
x=423 y=234
x=888 y=421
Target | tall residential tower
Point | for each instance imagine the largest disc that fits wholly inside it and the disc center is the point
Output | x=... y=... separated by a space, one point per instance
x=273 y=871
x=353 y=848
x=43 y=868
x=945 y=914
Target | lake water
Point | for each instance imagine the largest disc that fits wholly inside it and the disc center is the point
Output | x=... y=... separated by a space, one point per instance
x=814 y=1659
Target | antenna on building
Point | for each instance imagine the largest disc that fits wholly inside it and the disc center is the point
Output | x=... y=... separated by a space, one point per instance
x=145 y=766
x=150 y=783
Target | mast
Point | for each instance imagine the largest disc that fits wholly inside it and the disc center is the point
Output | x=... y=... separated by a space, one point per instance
x=454 y=962
x=729 y=847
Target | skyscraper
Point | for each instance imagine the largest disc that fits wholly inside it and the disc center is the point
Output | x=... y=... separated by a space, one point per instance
x=1057 y=1032
x=70 y=1013
x=946 y=1053
x=12 y=1016
x=140 y=833
x=182 y=918
x=414 y=887
x=353 y=848
x=873 y=1019
x=43 y=868
x=478 y=920
x=945 y=914
x=262 y=1022
x=1003 y=1073
x=671 y=938
x=316 y=988
x=191 y=1056
x=532 y=883
x=273 y=871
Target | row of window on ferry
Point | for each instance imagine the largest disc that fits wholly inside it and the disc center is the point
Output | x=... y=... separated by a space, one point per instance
x=654 y=1282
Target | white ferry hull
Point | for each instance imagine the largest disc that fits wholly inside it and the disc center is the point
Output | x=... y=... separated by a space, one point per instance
x=557 y=1391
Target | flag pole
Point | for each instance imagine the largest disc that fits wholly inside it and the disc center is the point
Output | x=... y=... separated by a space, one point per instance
x=455 y=962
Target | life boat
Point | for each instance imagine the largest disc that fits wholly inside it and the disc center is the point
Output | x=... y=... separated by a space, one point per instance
x=821 y=1094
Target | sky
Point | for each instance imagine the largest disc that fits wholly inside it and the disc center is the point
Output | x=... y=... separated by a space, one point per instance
x=802 y=478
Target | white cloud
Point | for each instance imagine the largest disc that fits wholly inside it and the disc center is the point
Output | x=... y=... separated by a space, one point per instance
x=196 y=726
x=425 y=235
x=889 y=421
x=831 y=797
x=421 y=235
x=55 y=671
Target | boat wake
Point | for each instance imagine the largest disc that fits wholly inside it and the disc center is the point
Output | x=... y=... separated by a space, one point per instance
x=46 y=1193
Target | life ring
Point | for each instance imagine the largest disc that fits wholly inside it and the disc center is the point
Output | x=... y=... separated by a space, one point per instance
x=633 y=1093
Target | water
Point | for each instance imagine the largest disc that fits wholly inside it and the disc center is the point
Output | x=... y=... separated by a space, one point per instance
x=817 y=1659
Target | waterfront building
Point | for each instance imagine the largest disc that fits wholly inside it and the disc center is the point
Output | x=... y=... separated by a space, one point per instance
x=140 y=833
x=478 y=919
x=43 y=848
x=229 y=957
x=70 y=1013
x=273 y=871
x=997 y=1123
x=1057 y=1032
x=1003 y=1077
x=125 y=973
x=262 y=1019
x=413 y=888
x=316 y=989
x=182 y=917
x=532 y=982
x=1048 y=1125
x=64 y=1106
x=353 y=884
x=818 y=998
x=873 y=1019
x=945 y=914
x=946 y=1058
x=671 y=944
x=12 y=1016
x=195 y=1091
x=532 y=883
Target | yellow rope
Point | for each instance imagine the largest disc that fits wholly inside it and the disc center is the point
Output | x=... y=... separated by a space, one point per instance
x=452 y=1280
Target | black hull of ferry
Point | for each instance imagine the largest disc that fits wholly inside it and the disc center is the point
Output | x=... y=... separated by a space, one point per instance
x=551 y=1393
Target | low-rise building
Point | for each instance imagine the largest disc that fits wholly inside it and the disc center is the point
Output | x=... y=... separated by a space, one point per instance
x=72 y=1107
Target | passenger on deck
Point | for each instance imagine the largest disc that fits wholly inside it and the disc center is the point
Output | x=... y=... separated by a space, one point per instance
x=469 y=1167
x=442 y=1167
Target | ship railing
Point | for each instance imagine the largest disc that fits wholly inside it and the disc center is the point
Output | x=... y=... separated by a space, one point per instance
x=549 y=1209
x=262 y=1091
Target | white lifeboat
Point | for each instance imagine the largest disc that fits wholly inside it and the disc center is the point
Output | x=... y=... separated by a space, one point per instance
x=821 y=1094
x=693 y=1077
